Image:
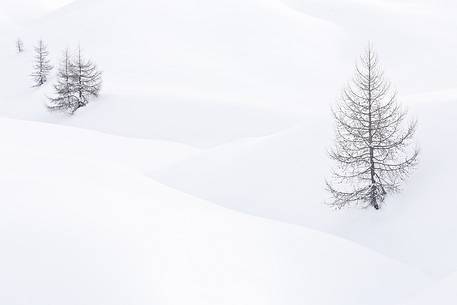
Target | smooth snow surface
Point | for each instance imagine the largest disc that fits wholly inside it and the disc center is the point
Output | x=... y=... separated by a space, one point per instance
x=77 y=230
x=282 y=177
x=198 y=175
x=443 y=293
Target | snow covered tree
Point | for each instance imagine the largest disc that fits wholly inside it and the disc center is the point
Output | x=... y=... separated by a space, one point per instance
x=372 y=148
x=42 y=65
x=19 y=46
x=87 y=79
x=65 y=91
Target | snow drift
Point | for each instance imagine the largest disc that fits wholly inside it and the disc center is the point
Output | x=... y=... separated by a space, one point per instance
x=78 y=230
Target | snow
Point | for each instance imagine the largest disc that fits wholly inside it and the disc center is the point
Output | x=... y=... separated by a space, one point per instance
x=142 y=155
x=282 y=178
x=198 y=175
x=441 y=293
x=206 y=121
x=78 y=230
x=180 y=54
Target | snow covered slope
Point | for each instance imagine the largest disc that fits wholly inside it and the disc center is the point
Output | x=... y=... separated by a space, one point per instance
x=406 y=34
x=78 y=230
x=443 y=293
x=197 y=121
x=282 y=177
x=199 y=47
x=142 y=155
x=205 y=64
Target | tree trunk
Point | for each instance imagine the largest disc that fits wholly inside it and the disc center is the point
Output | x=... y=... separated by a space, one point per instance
x=373 y=200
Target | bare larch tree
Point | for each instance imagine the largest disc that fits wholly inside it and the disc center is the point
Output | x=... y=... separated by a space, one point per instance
x=19 y=46
x=42 y=65
x=373 y=149
x=87 y=79
x=65 y=92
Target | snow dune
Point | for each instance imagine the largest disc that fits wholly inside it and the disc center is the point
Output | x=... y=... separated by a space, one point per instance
x=406 y=34
x=200 y=47
x=141 y=155
x=442 y=293
x=78 y=230
x=282 y=177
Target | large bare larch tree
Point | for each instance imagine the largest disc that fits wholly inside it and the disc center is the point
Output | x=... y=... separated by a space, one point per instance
x=372 y=150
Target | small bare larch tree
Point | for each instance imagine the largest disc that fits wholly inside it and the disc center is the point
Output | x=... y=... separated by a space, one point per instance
x=19 y=46
x=87 y=79
x=65 y=94
x=372 y=149
x=42 y=65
